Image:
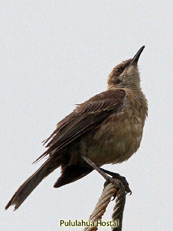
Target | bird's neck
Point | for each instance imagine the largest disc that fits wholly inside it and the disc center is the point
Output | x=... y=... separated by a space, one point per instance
x=130 y=86
x=136 y=91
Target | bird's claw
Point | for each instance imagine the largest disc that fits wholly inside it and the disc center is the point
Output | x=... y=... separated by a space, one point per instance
x=118 y=181
x=124 y=182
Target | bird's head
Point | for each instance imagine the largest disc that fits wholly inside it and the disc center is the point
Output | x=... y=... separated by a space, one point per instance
x=126 y=75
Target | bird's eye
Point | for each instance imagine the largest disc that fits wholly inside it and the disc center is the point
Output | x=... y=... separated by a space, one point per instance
x=119 y=69
x=118 y=81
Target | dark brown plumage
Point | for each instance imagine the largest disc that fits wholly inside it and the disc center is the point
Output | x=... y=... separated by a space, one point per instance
x=106 y=128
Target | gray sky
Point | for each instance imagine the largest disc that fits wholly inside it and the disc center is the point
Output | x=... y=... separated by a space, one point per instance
x=51 y=48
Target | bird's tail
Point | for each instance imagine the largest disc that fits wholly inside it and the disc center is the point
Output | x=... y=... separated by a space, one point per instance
x=31 y=183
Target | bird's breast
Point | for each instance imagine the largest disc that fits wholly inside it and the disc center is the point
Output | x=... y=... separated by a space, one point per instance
x=117 y=138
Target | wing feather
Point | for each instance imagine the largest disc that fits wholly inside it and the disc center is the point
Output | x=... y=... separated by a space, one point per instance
x=84 y=118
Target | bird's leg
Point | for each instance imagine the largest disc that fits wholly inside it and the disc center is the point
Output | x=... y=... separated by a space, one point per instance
x=115 y=176
x=118 y=177
x=94 y=166
x=117 y=182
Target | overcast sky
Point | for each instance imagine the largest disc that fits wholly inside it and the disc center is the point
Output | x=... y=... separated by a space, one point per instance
x=55 y=54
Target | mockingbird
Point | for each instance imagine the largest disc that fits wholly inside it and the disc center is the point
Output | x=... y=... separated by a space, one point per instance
x=105 y=129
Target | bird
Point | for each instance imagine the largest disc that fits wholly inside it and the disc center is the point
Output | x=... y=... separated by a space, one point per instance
x=106 y=129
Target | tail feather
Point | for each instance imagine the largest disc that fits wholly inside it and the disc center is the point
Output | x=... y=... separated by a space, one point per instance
x=72 y=173
x=31 y=183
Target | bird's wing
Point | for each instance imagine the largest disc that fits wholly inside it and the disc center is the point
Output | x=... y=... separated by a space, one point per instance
x=85 y=117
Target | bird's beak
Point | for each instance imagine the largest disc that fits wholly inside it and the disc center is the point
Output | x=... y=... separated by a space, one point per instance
x=136 y=57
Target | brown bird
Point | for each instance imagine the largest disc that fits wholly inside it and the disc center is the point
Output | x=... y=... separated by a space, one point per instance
x=107 y=128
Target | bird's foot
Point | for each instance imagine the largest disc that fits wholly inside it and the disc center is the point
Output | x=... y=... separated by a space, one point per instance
x=118 y=184
x=114 y=181
x=116 y=176
x=124 y=182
